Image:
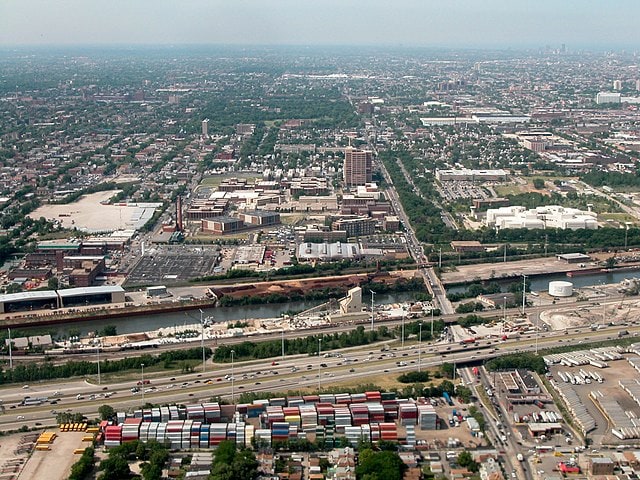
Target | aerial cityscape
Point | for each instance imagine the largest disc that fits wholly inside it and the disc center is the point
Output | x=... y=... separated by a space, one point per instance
x=289 y=254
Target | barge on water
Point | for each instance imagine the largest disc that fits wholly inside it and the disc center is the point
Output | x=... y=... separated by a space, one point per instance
x=29 y=319
x=585 y=271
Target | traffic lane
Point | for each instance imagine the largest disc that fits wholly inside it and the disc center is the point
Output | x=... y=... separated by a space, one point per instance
x=371 y=369
x=84 y=388
x=197 y=393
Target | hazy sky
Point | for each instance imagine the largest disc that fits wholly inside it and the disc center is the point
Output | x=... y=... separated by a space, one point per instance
x=456 y=23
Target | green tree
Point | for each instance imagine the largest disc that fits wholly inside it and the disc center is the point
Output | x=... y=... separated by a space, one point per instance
x=114 y=468
x=53 y=283
x=108 y=331
x=466 y=460
x=447 y=369
x=225 y=453
x=151 y=471
x=82 y=469
x=13 y=288
x=464 y=393
x=106 y=412
x=229 y=463
x=384 y=465
x=448 y=387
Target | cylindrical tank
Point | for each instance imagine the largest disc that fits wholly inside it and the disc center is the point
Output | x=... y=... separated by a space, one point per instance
x=560 y=288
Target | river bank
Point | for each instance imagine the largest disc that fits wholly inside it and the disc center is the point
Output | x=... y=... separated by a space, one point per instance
x=200 y=298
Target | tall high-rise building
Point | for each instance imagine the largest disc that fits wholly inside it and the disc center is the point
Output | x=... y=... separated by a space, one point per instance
x=205 y=127
x=617 y=84
x=357 y=166
x=638 y=85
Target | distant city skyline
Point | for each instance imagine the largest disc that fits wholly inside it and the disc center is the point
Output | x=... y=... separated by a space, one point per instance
x=449 y=23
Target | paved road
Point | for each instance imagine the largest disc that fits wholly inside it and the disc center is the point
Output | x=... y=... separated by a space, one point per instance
x=431 y=280
x=365 y=364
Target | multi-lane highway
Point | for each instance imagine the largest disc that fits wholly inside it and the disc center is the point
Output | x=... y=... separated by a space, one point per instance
x=355 y=365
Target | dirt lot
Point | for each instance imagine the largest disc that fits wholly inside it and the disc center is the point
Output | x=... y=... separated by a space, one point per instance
x=486 y=271
x=14 y=450
x=87 y=213
x=55 y=464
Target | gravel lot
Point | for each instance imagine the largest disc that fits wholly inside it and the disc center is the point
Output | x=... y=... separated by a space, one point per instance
x=464 y=273
x=55 y=464
x=87 y=213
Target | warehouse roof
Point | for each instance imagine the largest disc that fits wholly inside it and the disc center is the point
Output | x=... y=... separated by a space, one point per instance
x=74 y=292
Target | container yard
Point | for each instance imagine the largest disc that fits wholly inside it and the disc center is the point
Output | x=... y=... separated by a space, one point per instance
x=370 y=416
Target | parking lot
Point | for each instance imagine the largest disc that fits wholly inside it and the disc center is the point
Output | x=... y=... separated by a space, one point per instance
x=609 y=396
x=170 y=265
x=454 y=190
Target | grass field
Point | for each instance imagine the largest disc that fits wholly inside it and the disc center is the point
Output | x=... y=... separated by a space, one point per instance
x=620 y=218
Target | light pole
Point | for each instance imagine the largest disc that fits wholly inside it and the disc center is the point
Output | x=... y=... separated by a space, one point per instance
x=10 y=354
x=537 y=331
x=319 y=348
x=626 y=234
x=504 y=312
x=372 y=308
x=98 y=353
x=204 y=361
x=282 y=343
x=232 y=379
x=142 y=382
x=420 y=348
x=403 y=315
x=432 y=307
x=524 y=292
x=440 y=258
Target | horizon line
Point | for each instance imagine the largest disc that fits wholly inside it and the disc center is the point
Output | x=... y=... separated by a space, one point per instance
x=468 y=47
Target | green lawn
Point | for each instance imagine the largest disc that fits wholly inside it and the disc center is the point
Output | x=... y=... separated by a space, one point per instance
x=621 y=218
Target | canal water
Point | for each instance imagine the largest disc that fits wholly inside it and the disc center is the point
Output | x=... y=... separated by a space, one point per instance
x=145 y=323
x=220 y=314
x=541 y=283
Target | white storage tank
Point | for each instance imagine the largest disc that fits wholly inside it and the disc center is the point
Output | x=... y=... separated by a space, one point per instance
x=560 y=288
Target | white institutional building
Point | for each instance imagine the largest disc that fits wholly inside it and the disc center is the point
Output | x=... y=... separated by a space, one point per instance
x=550 y=216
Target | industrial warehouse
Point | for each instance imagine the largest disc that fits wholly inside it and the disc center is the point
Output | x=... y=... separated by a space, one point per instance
x=25 y=301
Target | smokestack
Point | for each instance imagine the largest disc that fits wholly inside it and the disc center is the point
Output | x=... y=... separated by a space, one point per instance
x=179 y=214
